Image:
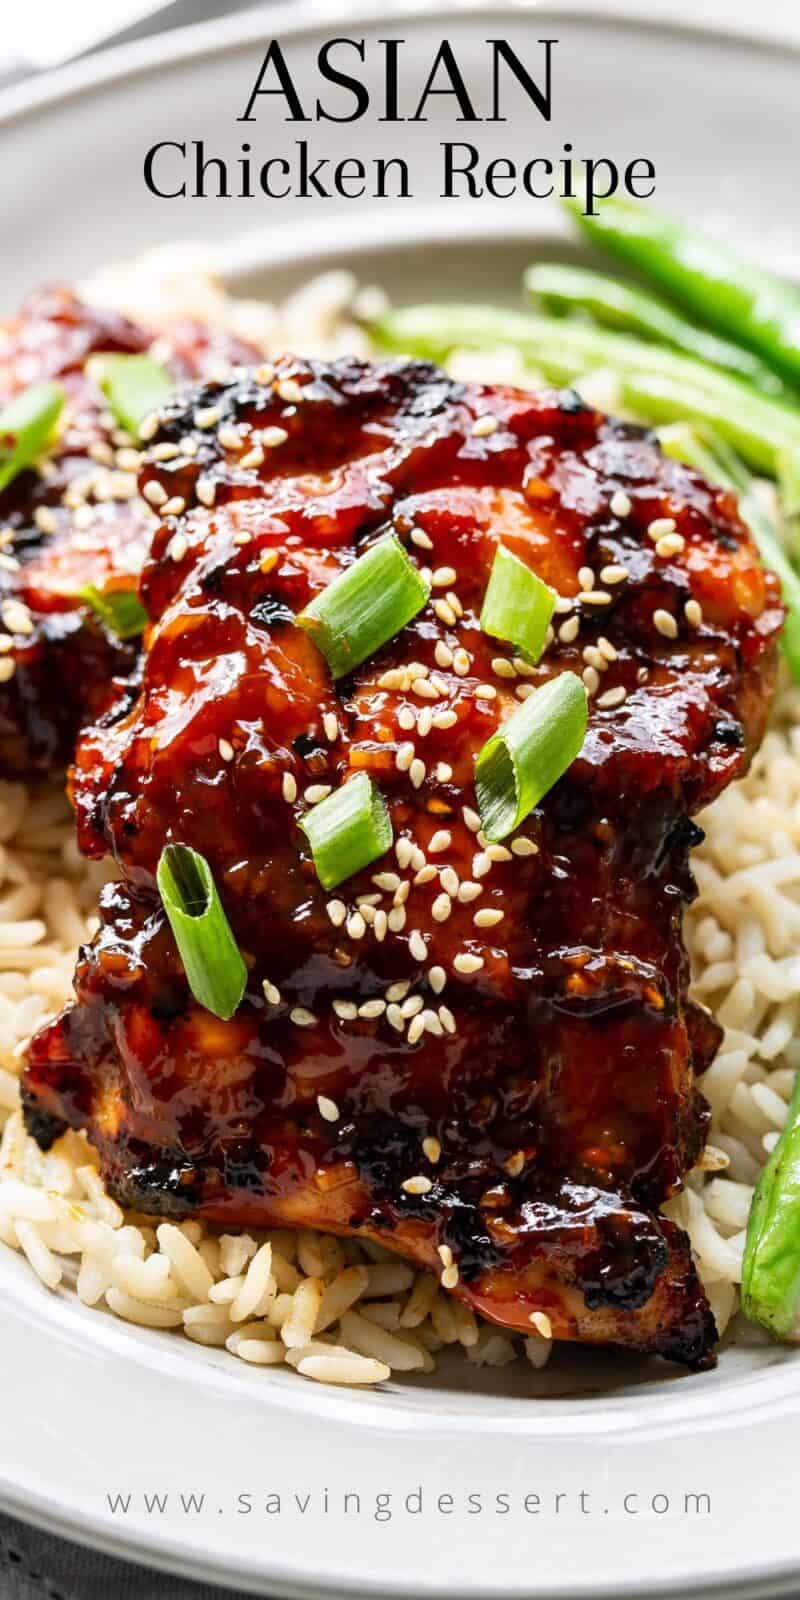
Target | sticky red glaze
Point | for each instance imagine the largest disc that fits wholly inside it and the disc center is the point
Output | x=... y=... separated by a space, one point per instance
x=67 y=662
x=563 y=1098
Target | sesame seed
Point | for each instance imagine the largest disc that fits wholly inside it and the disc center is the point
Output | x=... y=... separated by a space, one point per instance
x=165 y=451
x=441 y=908
x=671 y=545
x=466 y=963
x=524 y=847
x=445 y=1254
x=45 y=519
x=403 y=850
x=594 y=597
x=430 y=1022
x=468 y=891
x=612 y=697
x=271 y=992
x=542 y=1324
x=693 y=613
x=437 y=978
x=594 y=658
x=450 y=1277
x=205 y=417
x=316 y=792
x=330 y=724
x=447 y=1019
x=606 y=648
x=586 y=577
x=206 y=491
x=148 y=426
x=417 y=946
x=416 y=1028
x=225 y=749
x=441 y=840
x=613 y=574
x=442 y=577
x=426 y=874
x=591 y=679
x=395 y=1018
x=407 y=718
x=177 y=547
x=301 y=1017
x=481 y=864
x=425 y=689
x=380 y=926
x=485 y=691
x=665 y=623
x=386 y=881
x=355 y=926
x=443 y=654
x=229 y=437
x=254 y=457
x=16 y=617
x=444 y=611
x=417 y=1185
x=620 y=504
x=271 y=438
x=289 y=788
x=290 y=391
x=7 y=669
x=398 y=991
x=660 y=526
x=412 y=1006
x=420 y=539
x=498 y=852
x=337 y=911
x=483 y=426
x=403 y=760
x=154 y=494
x=503 y=668
x=487 y=918
x=265 y=373
x=515 y=1163
x=431 y=1149
x=461 y=662
x=424 y=722
x=417 y=772
x=443 y=772
x=328 y=1109
x=347 y=1010
x=568 y=632
x=448 y=878
x=371 y=1009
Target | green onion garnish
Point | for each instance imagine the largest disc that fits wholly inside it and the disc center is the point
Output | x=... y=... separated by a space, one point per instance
x=212 y=961
x=120 y=610
x=367 y=605
x=26 y=424
x=517 y=605
x=347 y=830
x=529 y=753
x=133 y=386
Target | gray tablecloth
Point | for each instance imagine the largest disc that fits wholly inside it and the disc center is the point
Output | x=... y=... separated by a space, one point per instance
x=37 y=1566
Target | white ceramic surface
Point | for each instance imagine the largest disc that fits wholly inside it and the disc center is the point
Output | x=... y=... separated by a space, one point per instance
x=93 y=1409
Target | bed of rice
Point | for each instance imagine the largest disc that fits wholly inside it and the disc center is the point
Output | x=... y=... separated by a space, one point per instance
x=335 y=1310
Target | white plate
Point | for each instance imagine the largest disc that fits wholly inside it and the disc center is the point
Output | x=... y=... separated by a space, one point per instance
x=92 y=1409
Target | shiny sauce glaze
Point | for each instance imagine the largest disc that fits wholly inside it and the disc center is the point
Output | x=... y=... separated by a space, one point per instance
x=483 y=1056
x=75 y=521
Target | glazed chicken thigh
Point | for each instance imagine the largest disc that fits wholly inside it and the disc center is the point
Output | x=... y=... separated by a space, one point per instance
x=75 y=522
x=482 y=1056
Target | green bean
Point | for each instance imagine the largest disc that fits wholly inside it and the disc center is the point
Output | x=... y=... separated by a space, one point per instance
x=566 y=289
x=680 y=388
x=771 y=1266
x=711 y=456
x=749 y=304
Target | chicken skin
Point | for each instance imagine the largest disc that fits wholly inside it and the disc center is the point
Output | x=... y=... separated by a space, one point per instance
x=482 y=1056
x=75 y=523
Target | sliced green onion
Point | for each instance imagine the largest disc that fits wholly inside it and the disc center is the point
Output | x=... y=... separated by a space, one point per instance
x=517 y=605
x=348 y=830
x=26 y=424
x=133 y=386
x=771 y=1263
x=366 y=606
x=120 y=610
x=529 y=753
x=212 y=961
